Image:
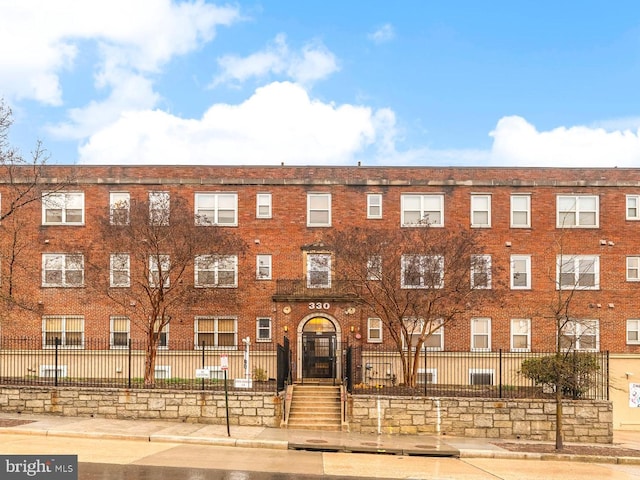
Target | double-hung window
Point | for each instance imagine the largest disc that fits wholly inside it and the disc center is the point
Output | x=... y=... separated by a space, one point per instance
x=159 y=270
x=216 y=271
x=580 y=335
x=633 y=269
x=521 y=272
x=318 y=210
x=633 y=207
x=422 y=271
x=633 y=332
x=374 y=267
x=119 y=331
x=119 y=206
x=263 y=329
x=263 y=205
x=263 y=267
x=318 y=270
x=481 y=271
x=577 y=211
x=62 y=270
x=216 y=209
x=374 y=330
x=432 y=333
x=63 y=208
x=580 y=272
x=422 y=210
x=481 y=334
x=120 y=270
x=480 y=211
x=520 y=211
x=67 y=329
x=159 y=208
x=520 y=335
x=374 y=205
x=220 y=332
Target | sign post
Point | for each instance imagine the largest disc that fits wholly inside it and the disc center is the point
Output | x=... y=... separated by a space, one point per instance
x=224 y=365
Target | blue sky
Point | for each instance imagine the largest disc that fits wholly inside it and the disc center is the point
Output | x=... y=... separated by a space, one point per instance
x=525 y=83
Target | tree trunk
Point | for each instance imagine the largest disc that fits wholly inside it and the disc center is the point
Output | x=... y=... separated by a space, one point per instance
x=150 y=360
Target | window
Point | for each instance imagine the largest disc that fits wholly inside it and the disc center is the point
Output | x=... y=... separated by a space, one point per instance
x=263 y=330
x=374 y=205
x=481 y=376
x=216 y=271
x=63 y=208
x=481 y=334
x=374 y=267
x=159 y=210
x=422 y=210
x=318 y=270
x=580 y=272
x=263 y=267
x=633 y=269
x=580 y=335
x=374 y=330
x=520 y=335
x=68 y=329
x=433 y=333
x=633 y=332
x=62 y=270
x=163 y=338
x=633 y=207
x=216 y=209
x=427 y=375
x=119 y=270
x=119 y=204
x=481 y=211
x=481 y=271
x=520 y=211
x=435 y=341
x=318 y=210
x=520 y=272
x=159 y=267
x=119 y=337
x=216 y=332
x=422 y=271
x=263 y=205
x=575 y=211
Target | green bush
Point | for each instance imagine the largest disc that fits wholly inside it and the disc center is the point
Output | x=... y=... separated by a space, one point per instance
x=571 y=372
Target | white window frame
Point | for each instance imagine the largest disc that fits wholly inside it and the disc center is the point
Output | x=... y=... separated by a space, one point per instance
x=210 y=205
x=374 y=205
x=520 y=327
x=264 y=324
x=263 y=267
x=163 y=340
x=313 y=209
x=263 y=205
x=480 y=205
x=374 y=324
x=421 y=376
x=218 y=265
x=318 y=263
x=476 y=333
x=119 y=206
x=423 y=263
x=482 y=371
x=423 y=204
x=633 y=326
x=481 y=265
x=159 y=208
x=216 y=332
x=374 y=267
x=62 y=201
x=633 y=268
x=527 y=264
x=162 y=372
x=575 y=330
x=435 y=331
x=113 y=321
x=518 y=209
x=64 y=319
x=579 y=208
x=123 y=267
x=632 y=209
x=563 y=262
x=59 y=260
x=155 y=268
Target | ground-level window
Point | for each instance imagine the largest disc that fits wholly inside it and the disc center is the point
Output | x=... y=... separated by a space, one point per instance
x=481 y=376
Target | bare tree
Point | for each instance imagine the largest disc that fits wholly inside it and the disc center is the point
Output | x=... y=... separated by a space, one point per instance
x=155 y=246
x=416 y=280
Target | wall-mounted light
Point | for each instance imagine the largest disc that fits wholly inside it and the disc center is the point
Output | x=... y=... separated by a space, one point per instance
x=507 y=244
x=286 y=328
x=352 y=328
x=46 y=241
x=603 y=242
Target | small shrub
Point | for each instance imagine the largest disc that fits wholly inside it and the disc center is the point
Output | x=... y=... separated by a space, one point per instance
x=572 y=373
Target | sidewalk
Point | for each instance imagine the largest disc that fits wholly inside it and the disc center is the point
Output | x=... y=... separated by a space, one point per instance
x=283 y=439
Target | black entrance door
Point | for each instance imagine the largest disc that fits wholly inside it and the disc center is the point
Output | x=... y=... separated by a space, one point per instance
x=319 y=355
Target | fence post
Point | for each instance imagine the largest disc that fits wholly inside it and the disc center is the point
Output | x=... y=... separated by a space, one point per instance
x=608 y=384
x=129 y=359
x=500 y=371
x=425 y=376
x=57 y=344
x=203 y=344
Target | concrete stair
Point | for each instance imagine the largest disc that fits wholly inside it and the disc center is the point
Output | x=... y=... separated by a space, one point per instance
x=315 y=407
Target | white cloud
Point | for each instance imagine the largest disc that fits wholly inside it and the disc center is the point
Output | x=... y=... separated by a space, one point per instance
x=517 y=142
x=314 y=62
x=279 y=123
x=384 y=34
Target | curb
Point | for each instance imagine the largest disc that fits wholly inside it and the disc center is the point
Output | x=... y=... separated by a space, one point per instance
x=549 y=457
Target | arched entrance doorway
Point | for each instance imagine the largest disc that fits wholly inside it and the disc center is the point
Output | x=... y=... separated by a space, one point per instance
x=319 y=347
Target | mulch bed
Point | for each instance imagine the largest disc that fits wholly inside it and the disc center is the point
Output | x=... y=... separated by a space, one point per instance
x=605 y=451
x=10 y=422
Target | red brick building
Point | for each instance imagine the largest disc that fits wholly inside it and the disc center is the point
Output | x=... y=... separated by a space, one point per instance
x=282 y=286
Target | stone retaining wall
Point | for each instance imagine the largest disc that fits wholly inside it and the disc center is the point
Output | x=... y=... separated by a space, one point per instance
x=584 y=421
x=245 y=408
